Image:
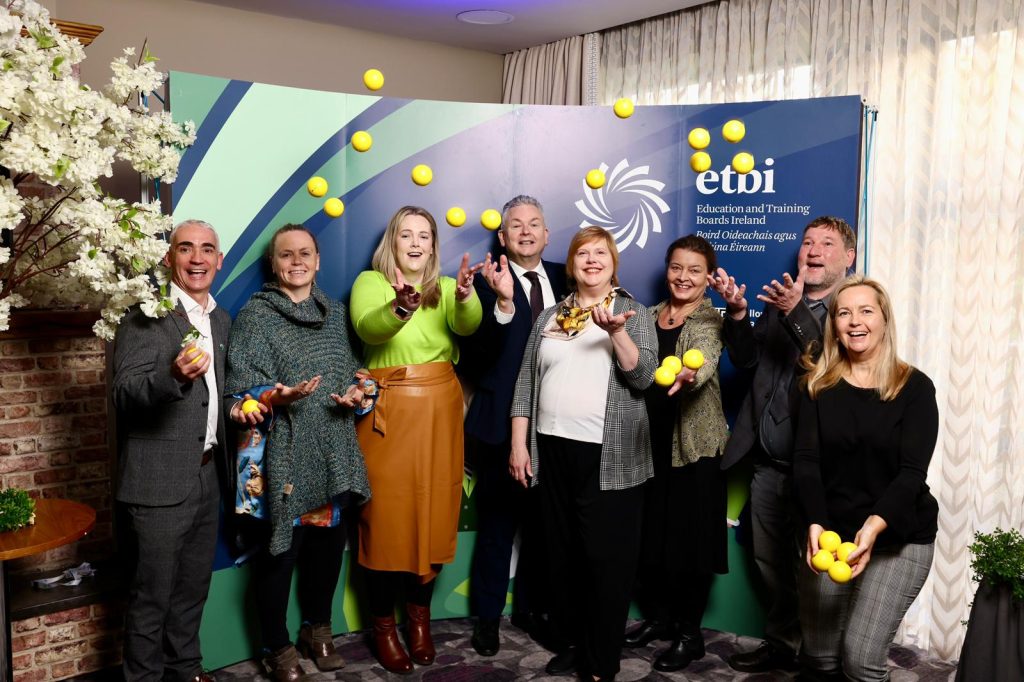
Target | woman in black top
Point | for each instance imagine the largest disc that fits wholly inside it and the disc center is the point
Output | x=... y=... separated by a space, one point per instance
x=867 y=427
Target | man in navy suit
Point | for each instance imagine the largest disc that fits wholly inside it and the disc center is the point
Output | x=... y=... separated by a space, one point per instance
x=513 y=295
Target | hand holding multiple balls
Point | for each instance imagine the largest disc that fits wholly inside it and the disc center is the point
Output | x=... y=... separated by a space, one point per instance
x=671 y=366
x=832 y=556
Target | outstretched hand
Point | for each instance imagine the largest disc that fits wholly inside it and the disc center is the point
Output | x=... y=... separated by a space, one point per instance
x=464 y=278
x=731 y=293
x=608 y=321
x=405 y=294
x=498 y=276
x=786 y=294
x=286 y=395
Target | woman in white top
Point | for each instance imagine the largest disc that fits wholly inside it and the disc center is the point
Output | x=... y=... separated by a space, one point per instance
x=580 y=432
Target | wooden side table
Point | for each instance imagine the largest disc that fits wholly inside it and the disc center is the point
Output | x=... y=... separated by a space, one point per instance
x=58 y=522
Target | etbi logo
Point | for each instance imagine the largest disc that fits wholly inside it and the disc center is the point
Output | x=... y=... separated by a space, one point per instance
x=729 y=181
x=635 y=193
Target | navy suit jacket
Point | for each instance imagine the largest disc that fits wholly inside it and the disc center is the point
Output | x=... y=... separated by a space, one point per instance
x=490 y=357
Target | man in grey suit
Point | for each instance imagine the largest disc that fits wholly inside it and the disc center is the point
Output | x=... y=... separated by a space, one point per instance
x=167 y=388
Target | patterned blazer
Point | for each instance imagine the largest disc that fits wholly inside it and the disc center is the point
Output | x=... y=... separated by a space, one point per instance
x=626 y=448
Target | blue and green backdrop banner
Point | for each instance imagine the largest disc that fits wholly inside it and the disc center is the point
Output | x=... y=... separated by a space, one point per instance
x=258 y=145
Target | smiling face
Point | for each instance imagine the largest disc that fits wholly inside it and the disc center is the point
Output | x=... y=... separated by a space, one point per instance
x=827 y=259
x=524 y=235
x=414 y=245
x=295 y=263
x=194 y=259
x=686 y=276
x=860 y=324
x=593 y=267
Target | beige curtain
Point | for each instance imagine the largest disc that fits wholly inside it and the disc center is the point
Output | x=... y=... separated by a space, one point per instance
x=945 y=232
x=548 y=74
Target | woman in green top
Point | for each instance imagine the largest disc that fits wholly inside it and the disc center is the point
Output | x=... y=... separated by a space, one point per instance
x=407 y=314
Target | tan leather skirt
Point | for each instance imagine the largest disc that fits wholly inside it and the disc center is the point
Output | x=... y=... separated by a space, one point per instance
x=412 y=442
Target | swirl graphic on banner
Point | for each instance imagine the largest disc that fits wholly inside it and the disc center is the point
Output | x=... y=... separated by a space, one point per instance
x=646 y=207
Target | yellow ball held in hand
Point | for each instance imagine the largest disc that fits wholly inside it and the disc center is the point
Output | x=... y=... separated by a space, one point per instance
x=829 y=541
x=734 y=130
x=490 y=219
x=361 y=141
x=198 y=357
x=699 y=138
x=333 y=207
x=844 y=551
x=823 y=560
x=743 y=163
x=316 y=186
x=840 y=572
x=693 y=359
x=623 y=107
x=250 y=405
x=700 y=162
x=422 y=175
x=373 y=79
x=595 y=178
x=673 y=363
x=664 y=376
x=455 y=216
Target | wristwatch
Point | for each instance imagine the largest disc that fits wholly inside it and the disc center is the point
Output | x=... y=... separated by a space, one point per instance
x=403 y=313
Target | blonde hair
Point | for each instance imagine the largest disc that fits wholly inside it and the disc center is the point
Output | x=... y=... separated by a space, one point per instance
x=385 y=261
x=584 y=236
x=891 y=373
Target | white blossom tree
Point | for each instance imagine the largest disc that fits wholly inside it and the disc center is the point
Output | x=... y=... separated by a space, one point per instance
x=76 y=245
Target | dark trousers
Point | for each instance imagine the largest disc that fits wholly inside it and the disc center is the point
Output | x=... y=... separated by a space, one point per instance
x=675 y=597
x=504 y=507
x=318 y=553
x=384 y=587
x=176 y=546
x=592 y=540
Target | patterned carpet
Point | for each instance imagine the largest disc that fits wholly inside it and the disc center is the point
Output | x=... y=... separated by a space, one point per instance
x=522 y=659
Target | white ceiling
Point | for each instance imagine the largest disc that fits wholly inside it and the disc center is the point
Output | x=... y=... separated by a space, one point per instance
x=536 y=21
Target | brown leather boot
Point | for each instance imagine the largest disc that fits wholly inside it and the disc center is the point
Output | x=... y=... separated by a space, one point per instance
x=389 y=650
x=421 y=646
x=283 y=665
x=317 y=643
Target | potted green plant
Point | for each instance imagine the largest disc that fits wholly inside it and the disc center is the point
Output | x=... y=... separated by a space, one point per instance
x=994 y=645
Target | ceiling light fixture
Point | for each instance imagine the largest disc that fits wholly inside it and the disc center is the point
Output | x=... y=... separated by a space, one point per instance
x=488 y=17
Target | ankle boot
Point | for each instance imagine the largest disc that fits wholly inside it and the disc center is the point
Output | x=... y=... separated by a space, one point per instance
x=421 y=646
x=387 y=647
x=283 y=665
x=316 y=642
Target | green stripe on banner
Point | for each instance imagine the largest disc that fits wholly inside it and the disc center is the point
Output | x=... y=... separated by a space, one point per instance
x=396 y=138
x=252 y=156
x=193 y=96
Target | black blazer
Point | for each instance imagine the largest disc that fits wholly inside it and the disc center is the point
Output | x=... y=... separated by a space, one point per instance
x=162 y=423
x=491 y=356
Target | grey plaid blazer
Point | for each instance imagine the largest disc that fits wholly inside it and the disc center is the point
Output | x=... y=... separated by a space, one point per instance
x=626 y=448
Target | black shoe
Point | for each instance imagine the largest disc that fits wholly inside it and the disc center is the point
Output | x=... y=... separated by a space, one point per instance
x=764 y=658
x=485 y=637
x=647 y=632
x=563 y=663
x=683 y=652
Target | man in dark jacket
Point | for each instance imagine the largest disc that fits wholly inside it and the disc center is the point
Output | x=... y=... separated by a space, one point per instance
x=793 y=318
x=512 y=297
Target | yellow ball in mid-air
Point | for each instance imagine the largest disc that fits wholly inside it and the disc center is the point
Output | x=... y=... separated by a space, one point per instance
x=673 y=363
x=844 y=551
x=333 y=207
x=699 y=138
x=422 y=175
x=361 y=141
x=734 y=130
x=455 y=216
x=663 y=376
x=595 y=178
x=490 y=219
x=623 y=107
x=829 y=541
x=743 y=163
x=840 y=572
x=373 y=79
x=700 y=162
x=250 y=405
x=693 y=359
x=823 y=560
x=316 y=186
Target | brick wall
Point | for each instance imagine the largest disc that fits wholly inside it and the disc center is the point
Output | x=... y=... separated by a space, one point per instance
x=54 y=443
